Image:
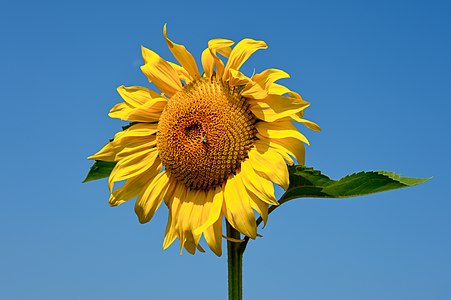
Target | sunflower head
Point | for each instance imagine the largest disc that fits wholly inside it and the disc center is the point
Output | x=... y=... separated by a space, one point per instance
x=209 y=145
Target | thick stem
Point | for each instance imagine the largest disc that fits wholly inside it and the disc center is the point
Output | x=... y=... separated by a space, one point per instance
x=235 y=264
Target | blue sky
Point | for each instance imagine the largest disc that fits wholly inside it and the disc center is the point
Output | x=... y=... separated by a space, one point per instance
x=377 y=74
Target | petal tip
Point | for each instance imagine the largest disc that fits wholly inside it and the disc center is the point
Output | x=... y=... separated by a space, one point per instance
x=140 y=214
x=165 y=33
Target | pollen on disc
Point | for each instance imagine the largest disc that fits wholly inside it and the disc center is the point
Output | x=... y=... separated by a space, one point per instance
x=204 y=133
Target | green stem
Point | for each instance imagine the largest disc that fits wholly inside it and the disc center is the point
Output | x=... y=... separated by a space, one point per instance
x=235 y=264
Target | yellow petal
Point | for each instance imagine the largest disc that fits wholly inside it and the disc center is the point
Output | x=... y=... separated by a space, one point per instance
x=191 y=243
x=208 y=63
x=183 y=56
x=293 y=147
x=237 y=208
x=275 y=107
x=184 y=216
x=149 y=201
x=170 y=234
x=237 y=78
x=190 y=217
x=210 y=60
x=190 y=213
x=254 y=91
x=136 y=133
x=188 y=243
x=270 y=165
x=310 y=125
x=213 y=237
x=263 y=143
x=240 y=53
x=278 y=89
x=136 y=95
x=266 y=78
x=289 y=145
x=120 y=110
x=288 y=159
x=181 y=212
x=251 y=90
x=133 y=165
x=148 y=112
x=260 y=207
x=160 y=72
x=279 y=130
x=175 y=206
x=221 y=46
x=172 y=200
x=261 y=187
x=124 y=193
x=201 y=208
x=137 y=130
x=107 y=153
x=181 y=72
x=132 y=188
x=212 y=212
x=135 y=146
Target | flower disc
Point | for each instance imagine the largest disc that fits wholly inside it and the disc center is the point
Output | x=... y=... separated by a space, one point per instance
x=204 y=133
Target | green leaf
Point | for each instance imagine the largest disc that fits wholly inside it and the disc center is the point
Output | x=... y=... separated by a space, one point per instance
x=307 y=182
x=100 y=169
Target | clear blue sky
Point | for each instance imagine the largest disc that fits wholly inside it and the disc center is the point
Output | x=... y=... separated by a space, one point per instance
x=377 y=74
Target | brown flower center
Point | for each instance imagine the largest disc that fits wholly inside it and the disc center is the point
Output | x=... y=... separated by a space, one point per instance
x=204 y=133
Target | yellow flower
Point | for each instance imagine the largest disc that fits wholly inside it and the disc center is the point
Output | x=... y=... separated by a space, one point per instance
x=209 y=147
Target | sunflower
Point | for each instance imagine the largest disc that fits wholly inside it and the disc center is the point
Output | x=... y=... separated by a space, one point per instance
x=210 y=145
